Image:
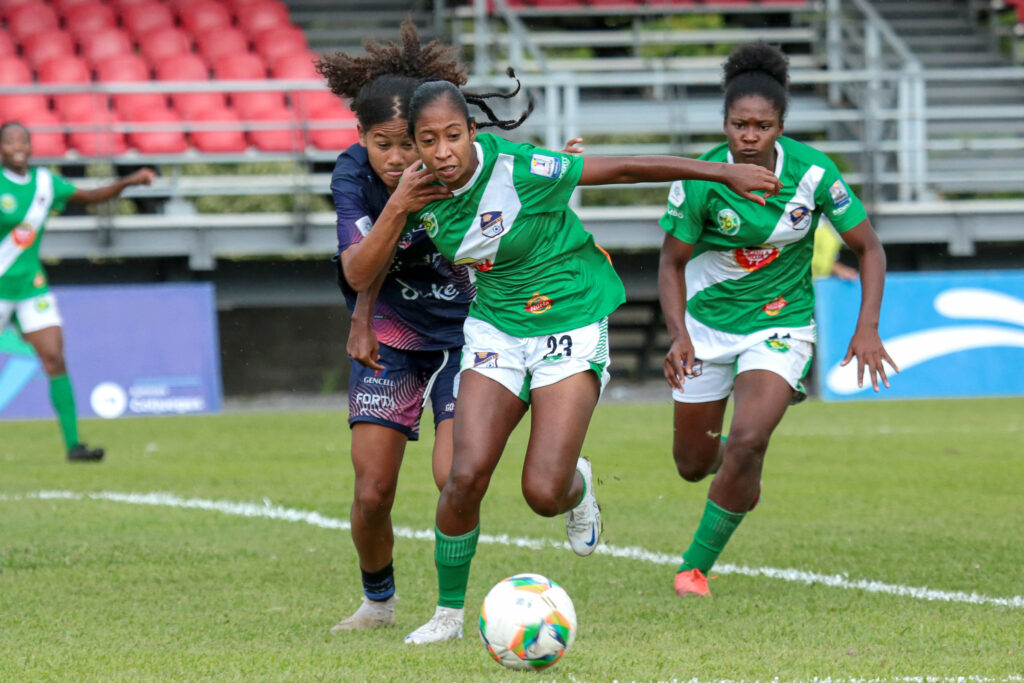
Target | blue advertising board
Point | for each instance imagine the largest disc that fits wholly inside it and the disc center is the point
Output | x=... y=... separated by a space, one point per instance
x=130 y=350
x=951 y=334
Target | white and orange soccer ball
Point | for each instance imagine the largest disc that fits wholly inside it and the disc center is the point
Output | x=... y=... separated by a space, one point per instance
x=527 y=621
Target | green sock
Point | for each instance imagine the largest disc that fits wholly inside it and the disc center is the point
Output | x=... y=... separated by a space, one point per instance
x=453 y=555
x=716 y=526
x=63 y=399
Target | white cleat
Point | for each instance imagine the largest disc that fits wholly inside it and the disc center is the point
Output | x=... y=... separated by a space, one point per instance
x=583 y=522
x=371 y=614
x=446 y=624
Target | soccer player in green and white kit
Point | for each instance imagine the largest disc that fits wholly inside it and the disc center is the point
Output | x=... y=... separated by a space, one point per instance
x=27 y=196
x=537 y=332
x=741 y=318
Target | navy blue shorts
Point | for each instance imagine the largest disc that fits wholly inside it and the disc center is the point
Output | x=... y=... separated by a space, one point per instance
x=395 y=397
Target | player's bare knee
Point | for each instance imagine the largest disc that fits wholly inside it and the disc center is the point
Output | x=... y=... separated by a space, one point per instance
x=746 y=448
x=53 y=363
x=465 y=487
x=375 y=500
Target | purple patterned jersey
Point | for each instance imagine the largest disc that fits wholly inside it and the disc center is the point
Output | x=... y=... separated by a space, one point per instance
x=425 y=298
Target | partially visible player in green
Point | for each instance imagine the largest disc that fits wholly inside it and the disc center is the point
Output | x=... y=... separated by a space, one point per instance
x=537 y=333
x=735 y=285
x=27 y=197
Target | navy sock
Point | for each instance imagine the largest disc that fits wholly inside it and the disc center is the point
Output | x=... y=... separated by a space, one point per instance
x=379 y=585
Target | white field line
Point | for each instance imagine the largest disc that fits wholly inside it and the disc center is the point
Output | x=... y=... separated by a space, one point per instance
x=268 y=510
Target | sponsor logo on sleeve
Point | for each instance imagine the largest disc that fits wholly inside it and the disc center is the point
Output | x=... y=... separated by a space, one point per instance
x=676 y=194
x=777 y=343
x=429 y=223
x=485 y=359
x=774 y=306
x=538 y=303
x=364 y=224
x=545 y=166
x=840 y=196
x=800 y=218
x=755 y=258
x=728 y=222
x=492 y=224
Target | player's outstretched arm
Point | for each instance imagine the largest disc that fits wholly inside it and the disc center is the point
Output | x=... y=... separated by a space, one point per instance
x=144 y=176
x=364 y=261
x=744 y=179
x=866 y=344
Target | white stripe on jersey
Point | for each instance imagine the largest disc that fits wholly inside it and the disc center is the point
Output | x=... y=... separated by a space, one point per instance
x=37 y=213
x=499 y=196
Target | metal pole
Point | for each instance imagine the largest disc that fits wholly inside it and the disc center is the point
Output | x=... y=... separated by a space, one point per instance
x=833 y=47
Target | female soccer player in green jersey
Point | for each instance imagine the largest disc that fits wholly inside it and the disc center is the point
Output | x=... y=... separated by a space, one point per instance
x=735 y=284
x=27 y=196
x=537 y=332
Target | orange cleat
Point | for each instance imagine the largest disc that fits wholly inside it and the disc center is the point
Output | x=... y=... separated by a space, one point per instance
x=692 y=582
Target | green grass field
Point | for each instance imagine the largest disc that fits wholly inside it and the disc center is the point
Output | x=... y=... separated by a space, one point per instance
x=911 y=495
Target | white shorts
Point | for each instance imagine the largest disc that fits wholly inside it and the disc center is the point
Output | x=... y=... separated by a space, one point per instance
x=787 y=357
x=521 y=364
x=34 y=314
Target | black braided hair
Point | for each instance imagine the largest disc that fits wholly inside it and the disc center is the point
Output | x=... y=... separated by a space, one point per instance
x=757 y=69
x=430 y=91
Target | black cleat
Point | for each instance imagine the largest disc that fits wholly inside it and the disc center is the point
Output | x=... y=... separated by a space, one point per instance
x=81 y=452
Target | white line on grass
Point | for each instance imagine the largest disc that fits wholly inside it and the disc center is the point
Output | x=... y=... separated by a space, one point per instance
x=268 y=510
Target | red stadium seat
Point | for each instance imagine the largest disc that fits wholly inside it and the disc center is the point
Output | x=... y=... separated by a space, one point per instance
x=88 y=18
x=46 y=140
x=7 y=48
x=218 y=43
x=21 y=107
x=240 y=66
x=95 y=137
x=129 y=69
x=103 y=44
x=146 y=15
x=189 y=68
x=13 y=71
x=250 y=104
x=68 y=69
x=229 y=139
x=257 y=17
x=157 y=141
x=41 y=46
x=204 y=15
x=286 y=136
x=302 y=67
x=333 y=138
x=163 y=41
x=29 y=18
x=280 y=41
x=62 y=6
x=297 y=66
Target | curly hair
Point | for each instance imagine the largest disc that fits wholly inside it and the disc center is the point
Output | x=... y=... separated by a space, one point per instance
x=757 y=69
x=431 y=91
x=379 y=84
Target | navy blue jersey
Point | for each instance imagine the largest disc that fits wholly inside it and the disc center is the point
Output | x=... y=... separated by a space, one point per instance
x=425 y=298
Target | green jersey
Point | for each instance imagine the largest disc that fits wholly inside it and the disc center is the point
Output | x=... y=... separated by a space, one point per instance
x=751 y=265
x=25 y=204
x=537 y=270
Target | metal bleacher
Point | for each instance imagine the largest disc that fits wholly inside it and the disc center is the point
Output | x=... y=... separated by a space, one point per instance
x=938 y=164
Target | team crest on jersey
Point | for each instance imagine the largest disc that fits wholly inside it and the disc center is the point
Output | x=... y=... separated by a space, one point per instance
x=492 y=224
x=24 y=235
x=840 y=197
x=676 y=194
x=777 y=343
x=800 y=218
x=429 y=223
x=755 y=258
x=775 y=306
x=8 y=203
x=538 y=303
x=545 y=166
x=485 y=359
x=728 y=222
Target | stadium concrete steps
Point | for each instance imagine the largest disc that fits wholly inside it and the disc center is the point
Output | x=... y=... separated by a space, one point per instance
x=332 y=26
